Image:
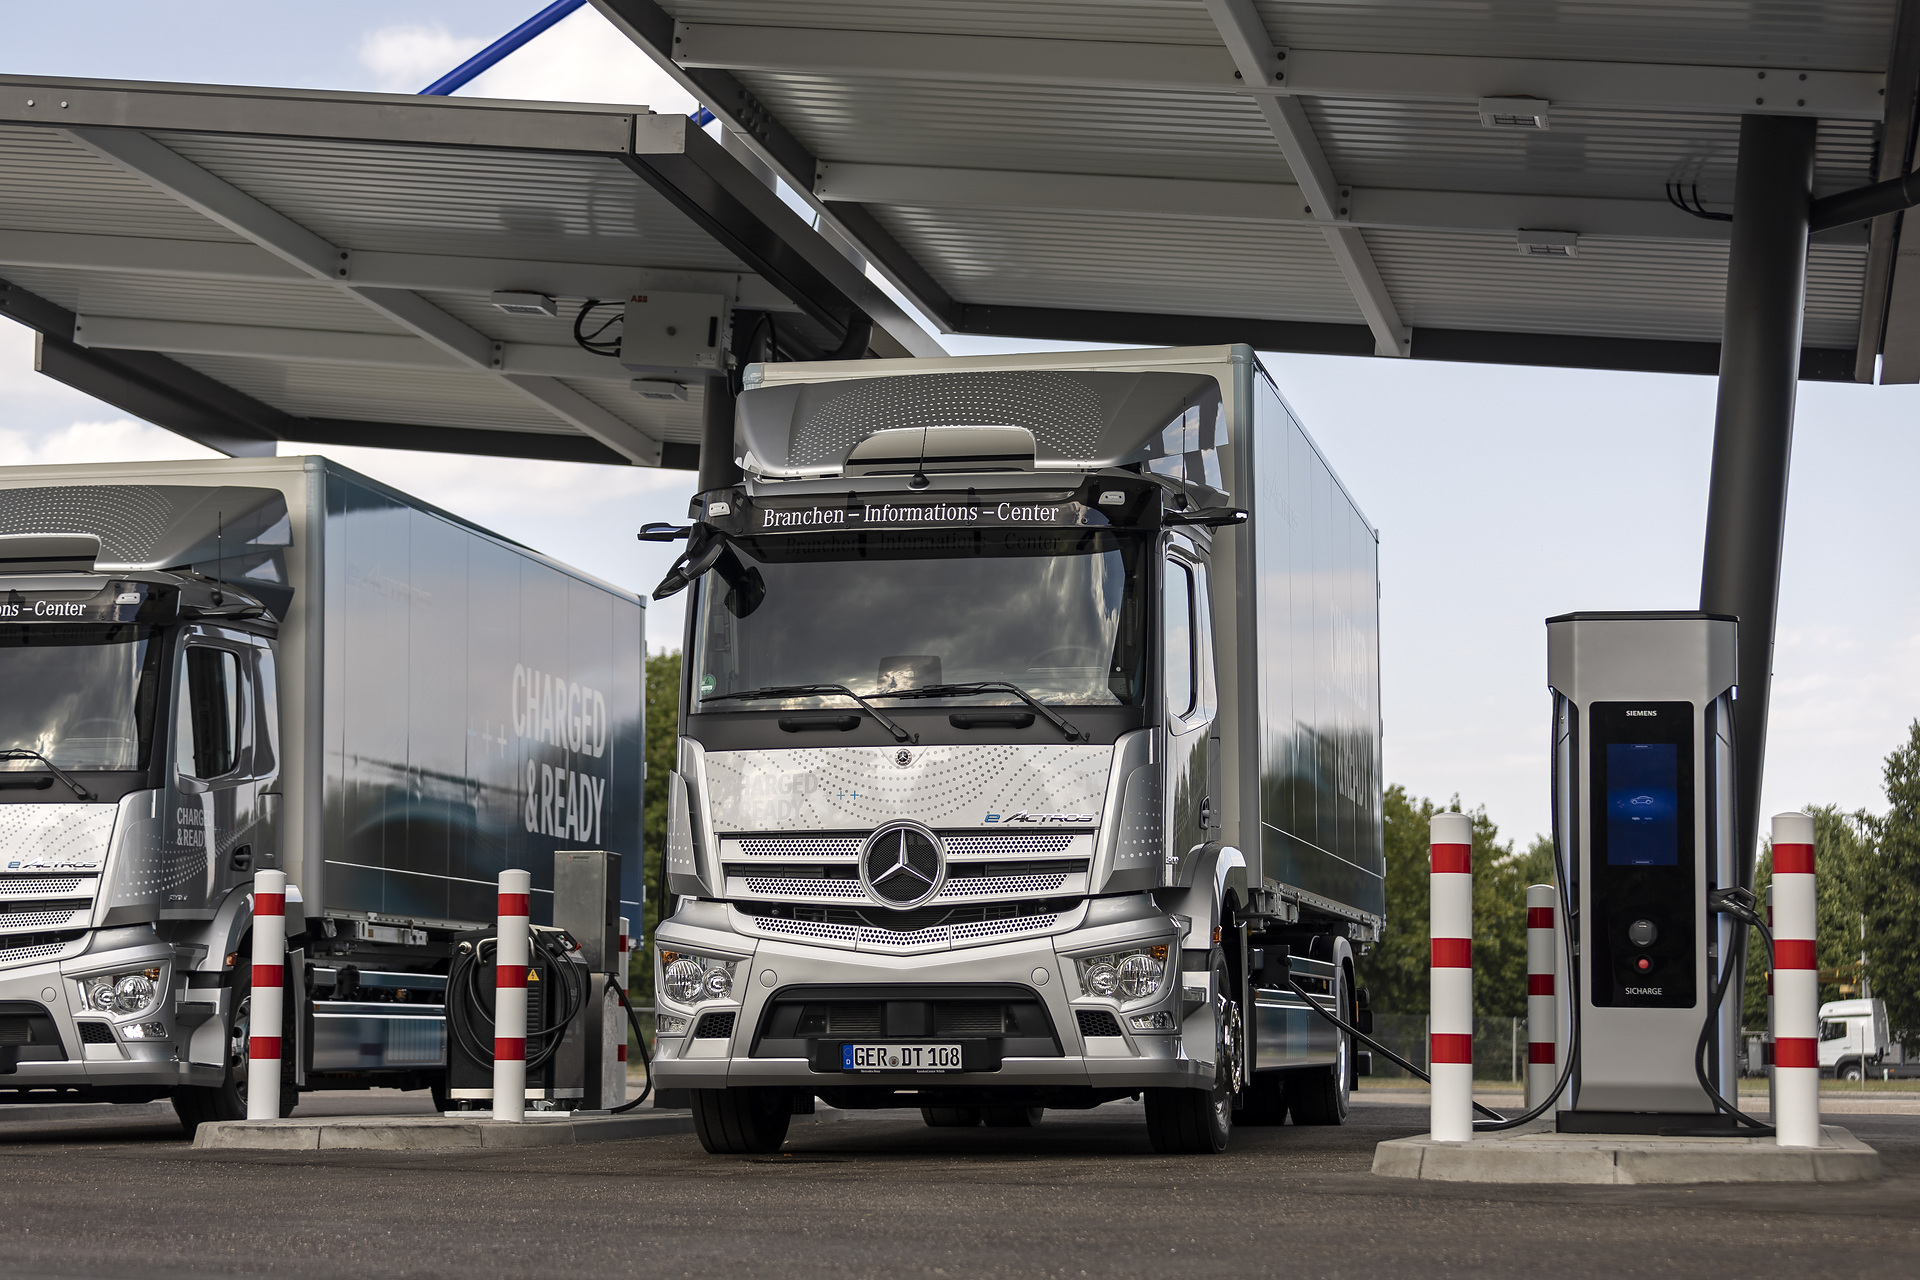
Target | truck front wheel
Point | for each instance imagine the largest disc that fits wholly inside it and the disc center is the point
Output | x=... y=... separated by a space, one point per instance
x=1199 y=1121
x=227 y=1100
x=1851 y=1070
x=739 y=1122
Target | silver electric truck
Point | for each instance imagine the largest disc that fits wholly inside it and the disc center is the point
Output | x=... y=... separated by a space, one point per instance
x=211 y=668
x=1029 y=752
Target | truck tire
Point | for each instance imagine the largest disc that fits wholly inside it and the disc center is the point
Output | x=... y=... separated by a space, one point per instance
x=1199 y=1121
x=1850 y=1070
x=1013 y=1117
x=951 y=1117
x=227 y=1100
x=1321 y=1095
x=740 y=1122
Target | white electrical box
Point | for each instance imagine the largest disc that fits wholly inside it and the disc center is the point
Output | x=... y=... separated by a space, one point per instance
x=684 y=333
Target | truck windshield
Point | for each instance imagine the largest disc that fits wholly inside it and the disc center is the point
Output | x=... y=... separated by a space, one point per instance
x=81 y=695
x=1056 y=611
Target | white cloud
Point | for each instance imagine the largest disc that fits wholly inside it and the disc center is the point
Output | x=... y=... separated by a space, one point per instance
x=115 y=440
x=582 y=58
x=406 y=59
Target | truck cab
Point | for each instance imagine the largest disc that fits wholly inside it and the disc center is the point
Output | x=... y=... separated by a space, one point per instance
x=139 y=772
x=974 y=779
x=1854 y=1040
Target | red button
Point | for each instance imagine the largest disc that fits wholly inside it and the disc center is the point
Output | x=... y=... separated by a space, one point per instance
x=1643 y=964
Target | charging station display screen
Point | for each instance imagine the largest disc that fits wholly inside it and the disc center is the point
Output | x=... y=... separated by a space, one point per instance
x=1643 y=804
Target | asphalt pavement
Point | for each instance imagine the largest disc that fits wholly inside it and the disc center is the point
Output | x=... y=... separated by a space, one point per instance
x=881 y=1195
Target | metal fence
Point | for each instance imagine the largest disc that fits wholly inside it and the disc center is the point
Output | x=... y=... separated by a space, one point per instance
x=1499 y=1046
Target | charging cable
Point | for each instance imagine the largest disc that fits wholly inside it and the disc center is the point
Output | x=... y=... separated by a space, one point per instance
x=469 y=1005
x=640 y=1038
x=1742 y=906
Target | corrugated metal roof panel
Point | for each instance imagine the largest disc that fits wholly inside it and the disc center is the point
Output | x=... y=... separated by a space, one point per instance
x=1621 y=288
x=1442 y=146
x=1835 y=34
x=1141 y=20
x=459 y=201
x=48 y=182
x=1122 y=262
x=886 y=120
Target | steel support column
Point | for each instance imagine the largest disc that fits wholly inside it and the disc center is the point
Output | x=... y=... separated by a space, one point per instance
x=1753 y=424
x=718 y=470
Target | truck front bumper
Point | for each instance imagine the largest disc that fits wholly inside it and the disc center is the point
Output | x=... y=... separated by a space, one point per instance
x=773 y=971
x=72 y=1046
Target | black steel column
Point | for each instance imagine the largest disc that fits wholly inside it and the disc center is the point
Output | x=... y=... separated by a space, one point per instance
x=718 y=470
x=1753 y=424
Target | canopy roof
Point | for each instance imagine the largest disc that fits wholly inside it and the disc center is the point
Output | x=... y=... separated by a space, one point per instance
x=1486 y=180
x=245 y=266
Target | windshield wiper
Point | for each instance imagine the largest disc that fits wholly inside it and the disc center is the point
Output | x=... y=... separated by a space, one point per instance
x=24 y=753
x=814 y=690
x=1072 y=733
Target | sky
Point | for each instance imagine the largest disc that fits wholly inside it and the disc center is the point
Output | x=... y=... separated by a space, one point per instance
x=1502 y=495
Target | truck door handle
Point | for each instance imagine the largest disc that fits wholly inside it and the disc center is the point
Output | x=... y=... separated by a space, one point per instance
x=1206 y=813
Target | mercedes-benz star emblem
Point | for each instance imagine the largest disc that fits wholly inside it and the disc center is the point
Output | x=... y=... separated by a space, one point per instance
x=903 y=865
x=903 y=757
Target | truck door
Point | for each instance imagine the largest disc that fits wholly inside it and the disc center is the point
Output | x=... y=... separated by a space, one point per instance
x=1187 y=682
x=214 y=787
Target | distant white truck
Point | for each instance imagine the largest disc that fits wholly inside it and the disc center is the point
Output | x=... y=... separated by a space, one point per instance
x=1854 y=1042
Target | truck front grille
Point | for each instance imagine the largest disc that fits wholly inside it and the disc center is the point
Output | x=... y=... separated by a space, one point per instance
x=25 y=948
x=796 y=1019
x=825 y=868
x=877 y=927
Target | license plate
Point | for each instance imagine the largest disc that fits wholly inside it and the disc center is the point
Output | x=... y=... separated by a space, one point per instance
x=900 y=1057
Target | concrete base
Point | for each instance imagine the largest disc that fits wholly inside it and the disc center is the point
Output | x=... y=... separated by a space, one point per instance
x=1539 y=1155
x=454 y=1131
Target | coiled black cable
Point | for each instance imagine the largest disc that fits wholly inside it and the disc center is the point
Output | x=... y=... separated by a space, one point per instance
x=469 y=1005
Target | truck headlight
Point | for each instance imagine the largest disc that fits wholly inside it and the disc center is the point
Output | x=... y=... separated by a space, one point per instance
x=1129 y=975
x=122 y=994
x=691 y=979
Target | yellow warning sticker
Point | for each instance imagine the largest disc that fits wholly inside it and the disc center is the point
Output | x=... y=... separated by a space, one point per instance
x=533 y=975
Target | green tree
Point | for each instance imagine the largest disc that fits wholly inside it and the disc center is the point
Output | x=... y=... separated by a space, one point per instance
x=662 y=735
x=1395 y=971
x=1890 y=892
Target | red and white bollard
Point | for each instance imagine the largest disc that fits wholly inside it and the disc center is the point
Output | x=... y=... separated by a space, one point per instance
x=264 y=1005
x=1543 y=1012
x=1796 y=985
x=1450 y=1048
x=510 y=960
x=620 y=1013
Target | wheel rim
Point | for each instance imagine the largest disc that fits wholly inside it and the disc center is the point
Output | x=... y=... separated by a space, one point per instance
x=1343 y=1054
x=239 y=1043
x=1226 y=1045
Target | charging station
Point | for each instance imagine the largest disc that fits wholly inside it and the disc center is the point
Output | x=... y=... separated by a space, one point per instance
x=1644 y=815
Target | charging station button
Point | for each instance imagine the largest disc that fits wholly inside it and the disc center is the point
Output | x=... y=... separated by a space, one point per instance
x=1643 y=964
x=1642 y=933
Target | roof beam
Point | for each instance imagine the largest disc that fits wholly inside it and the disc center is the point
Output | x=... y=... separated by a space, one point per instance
x=1187 y=198
x=252 y=219
x=183 y=400
x=1479 y=346
x=734 y=205
x=1319 y=194
x=1890 y=300
x=423 y=272
x=651 y=29
x=1652 y=87
x=332 y=346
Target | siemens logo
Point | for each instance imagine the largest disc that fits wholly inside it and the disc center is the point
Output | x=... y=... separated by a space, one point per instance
x=1643 y=713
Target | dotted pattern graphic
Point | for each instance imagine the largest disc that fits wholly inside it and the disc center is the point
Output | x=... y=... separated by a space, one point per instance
x=45 y=886
x=1063 y=412
x=148 y=867
x=829 y=788
x=679 y=828
x=55 y=837
x=1142 y=830
x=129 y=519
